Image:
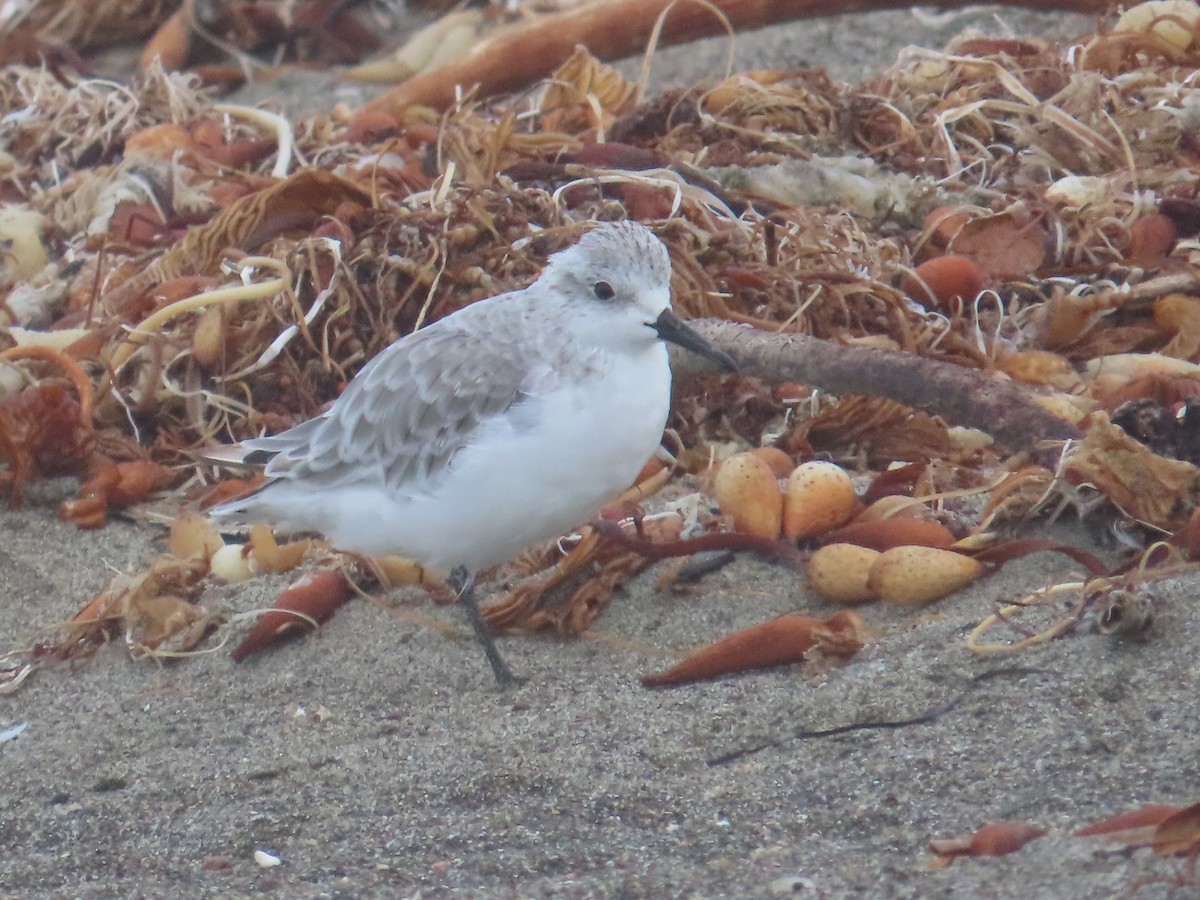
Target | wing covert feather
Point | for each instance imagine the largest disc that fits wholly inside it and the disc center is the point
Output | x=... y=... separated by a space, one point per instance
x=410 y=409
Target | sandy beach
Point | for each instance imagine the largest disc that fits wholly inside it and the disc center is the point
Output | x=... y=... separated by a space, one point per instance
x=378 y=758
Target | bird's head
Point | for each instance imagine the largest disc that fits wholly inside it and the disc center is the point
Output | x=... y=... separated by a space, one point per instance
x=617 y=279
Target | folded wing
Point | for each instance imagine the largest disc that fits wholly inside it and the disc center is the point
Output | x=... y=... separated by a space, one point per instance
x=406 y=414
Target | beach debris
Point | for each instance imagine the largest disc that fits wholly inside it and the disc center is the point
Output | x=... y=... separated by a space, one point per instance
x=841 y=573
x=43 y=432
x=268 y=555
x=1133 y=825
x=1122 y=606
x=780 y=462
x=230 y=564
x=1179 y=833
x=438 y=43
x=846 y=182
x=569 y=595
x=308 y=603
x=746 y=489
x=115 y=486
x=925 y=717
x=1168 y=27
x=1144 y=485
x=1007 y=246
x=12 y=732
x=1168 y=829
x=24 y=246
x=1150 y=240
x=992 y=839
x=999 y=326
x=791 y=885
x=152 y=612
x=885 y=534
x=295 y=32
x=940 y=281
x=817 y=497
x=778 y=642
x=266 y=859
x=914 y=576
x=1125 y=613
x=13 y=674
x=193 y=536
x=171 y=44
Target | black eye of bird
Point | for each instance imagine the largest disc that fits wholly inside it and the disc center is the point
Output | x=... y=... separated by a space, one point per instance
x=603 y=290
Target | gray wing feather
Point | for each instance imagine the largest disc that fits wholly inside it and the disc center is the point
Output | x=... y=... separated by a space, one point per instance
x=414 y=406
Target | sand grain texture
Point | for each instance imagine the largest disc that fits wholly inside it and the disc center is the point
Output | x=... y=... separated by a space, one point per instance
x=379 y=760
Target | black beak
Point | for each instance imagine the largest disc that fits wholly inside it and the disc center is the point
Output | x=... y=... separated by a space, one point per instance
x=671 y=329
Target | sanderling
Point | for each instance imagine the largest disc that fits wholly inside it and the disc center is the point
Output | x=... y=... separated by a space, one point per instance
x=501 y=425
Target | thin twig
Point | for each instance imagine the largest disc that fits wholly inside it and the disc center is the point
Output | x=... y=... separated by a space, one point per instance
x=925 y=718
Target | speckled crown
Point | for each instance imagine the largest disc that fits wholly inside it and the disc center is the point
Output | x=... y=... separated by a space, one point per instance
x=613 y=246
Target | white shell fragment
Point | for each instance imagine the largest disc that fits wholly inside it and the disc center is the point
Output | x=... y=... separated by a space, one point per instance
x=11 y=734
x=21 y=240
x=1078 y=190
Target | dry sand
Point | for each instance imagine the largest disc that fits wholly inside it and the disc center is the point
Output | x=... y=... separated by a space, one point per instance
x=378 y=759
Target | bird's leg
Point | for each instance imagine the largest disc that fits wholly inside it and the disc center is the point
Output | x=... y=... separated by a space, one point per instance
x=463 y=583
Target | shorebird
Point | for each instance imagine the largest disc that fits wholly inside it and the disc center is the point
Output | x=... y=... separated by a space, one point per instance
x=501 y=425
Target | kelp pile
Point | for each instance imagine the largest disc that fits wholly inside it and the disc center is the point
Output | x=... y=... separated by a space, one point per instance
x=181 y=272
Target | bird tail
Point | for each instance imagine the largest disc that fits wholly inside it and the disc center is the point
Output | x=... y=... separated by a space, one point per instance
x=224 y=454
x=248 y=507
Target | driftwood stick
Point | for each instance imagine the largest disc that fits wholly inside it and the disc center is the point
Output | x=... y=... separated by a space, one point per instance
x=1006 y=410
x=518 y=55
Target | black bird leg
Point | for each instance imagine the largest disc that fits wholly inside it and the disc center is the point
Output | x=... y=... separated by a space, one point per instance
x=463 y=583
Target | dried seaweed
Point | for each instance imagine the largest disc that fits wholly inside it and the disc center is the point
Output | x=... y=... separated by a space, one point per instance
x=229 y=272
